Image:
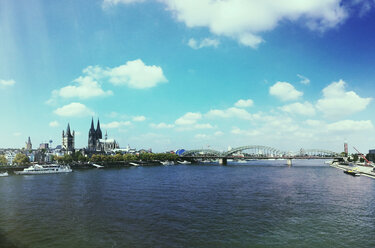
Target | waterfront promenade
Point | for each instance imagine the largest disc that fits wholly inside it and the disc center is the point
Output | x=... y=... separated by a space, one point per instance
x=362 y=170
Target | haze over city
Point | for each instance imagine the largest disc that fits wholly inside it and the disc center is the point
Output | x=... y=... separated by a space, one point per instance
x=174 y=74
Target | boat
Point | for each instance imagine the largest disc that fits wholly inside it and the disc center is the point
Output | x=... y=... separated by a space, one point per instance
x=352 y=172
x=97 y=166
x=167 y=162
x=4 y=174
x=44 y=169
x=184 y=162
x=241 y=161
x=134 y=164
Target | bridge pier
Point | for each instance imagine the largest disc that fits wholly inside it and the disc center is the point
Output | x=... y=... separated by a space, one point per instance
x=223 y=161
x=289 y=162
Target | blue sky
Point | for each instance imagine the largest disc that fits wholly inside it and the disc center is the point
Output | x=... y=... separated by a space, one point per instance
x=167 y=74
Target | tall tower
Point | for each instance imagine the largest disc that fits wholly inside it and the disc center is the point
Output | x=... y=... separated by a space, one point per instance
x=29 y=146
x=92 y=137
x=98 y=131
x=346 y=147
x=68 y=140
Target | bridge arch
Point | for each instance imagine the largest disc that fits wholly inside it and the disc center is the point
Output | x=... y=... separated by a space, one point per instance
x=318 y=152
x=256 y=150
x=202 y=152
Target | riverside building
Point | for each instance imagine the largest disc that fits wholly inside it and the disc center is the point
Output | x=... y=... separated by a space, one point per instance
x=96 y=143
x=68 y=140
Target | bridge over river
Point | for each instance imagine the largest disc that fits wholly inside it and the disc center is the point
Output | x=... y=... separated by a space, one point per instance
x=256 y=152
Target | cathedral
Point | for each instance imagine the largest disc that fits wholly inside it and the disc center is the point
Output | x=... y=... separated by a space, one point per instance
x=94 y=136
x=68 y=140
x=96 y=143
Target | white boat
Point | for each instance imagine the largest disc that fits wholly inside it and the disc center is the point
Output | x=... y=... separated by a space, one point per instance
x=4 y=174
x=241 y=161
x=167 y=162
x=184 y=162
x=134 y=164
x=44 y=169
x=97 y=166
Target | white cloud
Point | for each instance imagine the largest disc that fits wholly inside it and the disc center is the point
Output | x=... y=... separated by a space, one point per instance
x=244 y=103
x=285 y=91
x=244 y=20
x=139 y=118
x=230 y=113
x=161 y=125
x=17 y=134
x=86 y=87
x=116 y=124
x=207 y=42
x=203 y=126
x=108 y=3
x=218 y=133
x=350 y=126
x=53 y=124
x=201 y=136
x=305 y=108
x=238 y=131
x=304 y=80
x=7 y=83
x=74 y=109
x=337 y=102
x=136 y=74
x=188 y=119
x=314 y=123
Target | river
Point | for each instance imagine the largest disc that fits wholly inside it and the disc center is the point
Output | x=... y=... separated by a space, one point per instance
x=260 y=204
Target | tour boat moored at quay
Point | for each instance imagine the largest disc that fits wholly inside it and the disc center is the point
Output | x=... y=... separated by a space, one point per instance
x=4 y=174
x=44 y=169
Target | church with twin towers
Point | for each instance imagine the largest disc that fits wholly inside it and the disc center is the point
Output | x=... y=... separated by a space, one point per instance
x=96 y=143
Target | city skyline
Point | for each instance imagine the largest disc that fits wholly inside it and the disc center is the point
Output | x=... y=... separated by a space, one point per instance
x=170 y=74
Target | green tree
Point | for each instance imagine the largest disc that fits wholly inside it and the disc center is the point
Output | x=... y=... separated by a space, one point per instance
x=21 y=159
x=355 y=157
x=67 y=159
x=118 y=157
x=3 y=160
x=129 y=157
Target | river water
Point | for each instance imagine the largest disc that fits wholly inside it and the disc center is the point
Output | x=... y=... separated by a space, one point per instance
x=260 y=204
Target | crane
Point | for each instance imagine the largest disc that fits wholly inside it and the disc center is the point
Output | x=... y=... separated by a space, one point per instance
x=360 y=154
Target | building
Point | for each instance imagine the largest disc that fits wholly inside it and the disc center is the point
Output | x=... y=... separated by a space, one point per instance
x=29 y=146
x=43 y=146
x=371 y=155
x=94 y=136
x=68 y=140
x=108 y=145
x=10 y=155
x=96 y=143
x=346 y=147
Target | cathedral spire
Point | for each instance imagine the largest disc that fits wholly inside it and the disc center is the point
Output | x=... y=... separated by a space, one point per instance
x=68 y=131
x=98 y=131
x=92 y=124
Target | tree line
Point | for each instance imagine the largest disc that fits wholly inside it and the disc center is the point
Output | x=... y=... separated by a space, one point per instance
x=101 y=158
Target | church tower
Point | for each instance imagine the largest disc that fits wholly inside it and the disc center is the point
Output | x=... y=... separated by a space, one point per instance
x=68 y=140
x=92 y=137
x=29 y=146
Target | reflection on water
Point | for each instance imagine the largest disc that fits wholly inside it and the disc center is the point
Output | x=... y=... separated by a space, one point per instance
x=259 y=204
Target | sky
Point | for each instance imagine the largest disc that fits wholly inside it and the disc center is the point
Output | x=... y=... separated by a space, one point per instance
x=197 y=74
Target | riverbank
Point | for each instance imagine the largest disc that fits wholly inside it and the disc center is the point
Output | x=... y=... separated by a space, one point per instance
x=363 y=170
x=78 y=165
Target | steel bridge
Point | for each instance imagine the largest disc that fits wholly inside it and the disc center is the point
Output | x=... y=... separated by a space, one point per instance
x=257 y=152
